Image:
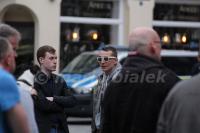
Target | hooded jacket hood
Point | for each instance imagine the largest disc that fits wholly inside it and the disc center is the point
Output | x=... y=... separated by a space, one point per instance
x=29 y=78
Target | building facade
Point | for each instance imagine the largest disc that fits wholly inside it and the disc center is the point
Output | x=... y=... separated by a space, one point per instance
x=74 y=26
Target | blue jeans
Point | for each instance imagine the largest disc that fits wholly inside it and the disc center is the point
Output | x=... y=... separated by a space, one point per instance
x=55 y=130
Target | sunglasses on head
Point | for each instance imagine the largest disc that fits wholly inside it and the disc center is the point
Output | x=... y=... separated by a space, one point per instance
x=105 y=59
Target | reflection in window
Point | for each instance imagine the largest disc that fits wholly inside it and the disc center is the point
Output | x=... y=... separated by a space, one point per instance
x=179 y=38
x=78 y=38
x=90 y=8
x=177 y=12
x=82 y=64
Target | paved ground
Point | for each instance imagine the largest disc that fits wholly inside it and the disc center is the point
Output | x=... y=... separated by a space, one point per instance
x=79 y=125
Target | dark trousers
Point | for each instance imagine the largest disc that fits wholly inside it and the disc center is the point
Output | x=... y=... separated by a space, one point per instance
x=55 y=130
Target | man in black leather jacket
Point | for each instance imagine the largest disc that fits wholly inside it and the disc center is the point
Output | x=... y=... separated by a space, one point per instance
x=133 y=100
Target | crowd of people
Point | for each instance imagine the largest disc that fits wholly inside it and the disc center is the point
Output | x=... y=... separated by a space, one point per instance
x=141 y=96
x=35 y=103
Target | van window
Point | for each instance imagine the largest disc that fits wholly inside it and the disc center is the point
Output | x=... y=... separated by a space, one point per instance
x=86 y=62
x=182 y=66
x=82 y=64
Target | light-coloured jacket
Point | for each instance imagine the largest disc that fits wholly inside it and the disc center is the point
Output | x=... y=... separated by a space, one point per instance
x=28 y=77
x=26 y=100
x=98 y=94
x=180 y=111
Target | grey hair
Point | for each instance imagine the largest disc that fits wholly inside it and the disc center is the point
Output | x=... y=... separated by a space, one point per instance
x=4 y=47
x=140 y=38
x=137 y=43
x=8 y=31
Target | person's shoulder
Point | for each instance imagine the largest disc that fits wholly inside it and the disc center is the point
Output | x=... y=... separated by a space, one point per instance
x=8 y=83
x=58 y=78
x=6 y=77
x=169 y=74
x=192 y=83
x=185 y=87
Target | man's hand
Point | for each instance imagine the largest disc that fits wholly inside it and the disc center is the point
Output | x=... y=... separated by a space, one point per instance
x=50 y=98
x=33 y=91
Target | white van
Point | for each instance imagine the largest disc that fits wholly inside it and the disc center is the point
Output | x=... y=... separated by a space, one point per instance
x=82 y=72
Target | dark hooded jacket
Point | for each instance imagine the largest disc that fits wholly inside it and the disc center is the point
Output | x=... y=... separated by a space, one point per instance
x=132 y=102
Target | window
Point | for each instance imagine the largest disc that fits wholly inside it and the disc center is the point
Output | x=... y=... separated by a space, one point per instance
x=90 y=8
x=178 y=24
x=87 y=24
x=177 y=12
x=77 y=38
x=179 y=38
x=84 y=63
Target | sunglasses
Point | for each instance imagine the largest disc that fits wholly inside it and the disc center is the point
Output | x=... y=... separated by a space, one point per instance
x=105 y=59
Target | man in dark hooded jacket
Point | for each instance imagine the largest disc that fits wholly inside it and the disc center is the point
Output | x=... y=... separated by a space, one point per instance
x=133 y=100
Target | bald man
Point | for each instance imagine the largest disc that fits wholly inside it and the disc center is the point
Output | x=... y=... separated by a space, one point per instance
x=133 y=100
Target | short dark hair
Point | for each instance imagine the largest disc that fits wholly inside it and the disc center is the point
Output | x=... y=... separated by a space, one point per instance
x=41 y=52
x=110 y=48
x=4 y=47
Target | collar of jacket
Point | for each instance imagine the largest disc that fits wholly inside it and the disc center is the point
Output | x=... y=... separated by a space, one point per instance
x=49 y=77
x=140 y=62
x=113 y=74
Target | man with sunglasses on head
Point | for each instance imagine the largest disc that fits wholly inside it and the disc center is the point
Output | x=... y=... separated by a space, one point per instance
x=107 y=59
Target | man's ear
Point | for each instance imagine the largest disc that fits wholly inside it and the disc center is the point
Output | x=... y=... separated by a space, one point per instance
x=41 y=60
x=152 y=48
x=116 y=60
x=7 y=60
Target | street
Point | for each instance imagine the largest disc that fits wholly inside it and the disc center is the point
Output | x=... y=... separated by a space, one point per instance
x=79 y=125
